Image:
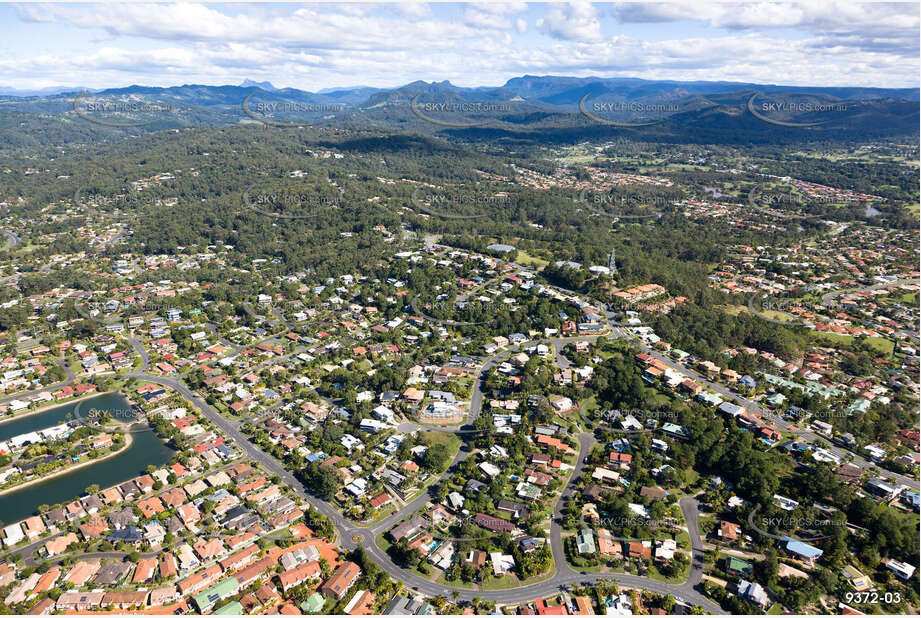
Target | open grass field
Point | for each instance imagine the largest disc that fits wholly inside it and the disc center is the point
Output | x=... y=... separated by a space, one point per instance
x=449 y=439
x=881 y=345
x=525 y=259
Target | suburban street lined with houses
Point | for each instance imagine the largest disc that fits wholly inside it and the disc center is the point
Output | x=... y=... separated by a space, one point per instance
x=353 y=535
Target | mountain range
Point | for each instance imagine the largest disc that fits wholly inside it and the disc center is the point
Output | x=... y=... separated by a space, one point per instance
x=549 y=90
x=540 y=107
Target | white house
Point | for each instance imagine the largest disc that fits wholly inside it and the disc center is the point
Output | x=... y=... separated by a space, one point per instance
x=383 y=413
x=501 y=563
x=12 y=534
x=489 y=469
x=902 y=570
x=372 y=425
x=498 y=452
x=358 y=487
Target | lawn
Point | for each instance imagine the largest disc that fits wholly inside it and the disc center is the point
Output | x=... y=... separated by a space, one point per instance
x=776 y=610
x=450 y=440
x=499 y=583
x=881 y=345
x=383 y=513
x=653 y=573
x=382 y=543
x=768 y=313
x=529 y=260
x=587 y=569
x=590 y=404
x=453 y=584
x=683 y=540
x=778 y=315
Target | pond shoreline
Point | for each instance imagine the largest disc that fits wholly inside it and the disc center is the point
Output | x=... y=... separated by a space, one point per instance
x=16 y=417
x=145 y=448
x=129 y=440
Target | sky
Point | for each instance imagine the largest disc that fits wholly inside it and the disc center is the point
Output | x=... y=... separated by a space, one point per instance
x=316 y=46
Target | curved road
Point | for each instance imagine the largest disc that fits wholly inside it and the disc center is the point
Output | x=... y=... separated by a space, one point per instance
x=12 y=239
x=353 y=535
x=805 y=434
x=45 y=389
x=829 y=299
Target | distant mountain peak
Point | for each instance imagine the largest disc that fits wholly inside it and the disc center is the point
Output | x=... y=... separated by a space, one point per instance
x=248 y=83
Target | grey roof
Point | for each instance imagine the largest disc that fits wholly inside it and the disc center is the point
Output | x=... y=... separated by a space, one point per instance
x=110 y=573
x=122 y=518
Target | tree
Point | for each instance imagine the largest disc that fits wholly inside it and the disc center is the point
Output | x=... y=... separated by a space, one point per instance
x=435 y=459
x=668 y=603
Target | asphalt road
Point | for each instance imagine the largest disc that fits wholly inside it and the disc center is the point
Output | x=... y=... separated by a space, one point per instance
x=12 y=239
x=829 y=300
x=45 y=389
x=586 y=441
x=804 y=434
x=352 y=535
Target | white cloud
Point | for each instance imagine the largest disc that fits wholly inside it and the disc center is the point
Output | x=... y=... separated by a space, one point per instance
x=413 y=9
x=866 y=25
x=576 y=21
x=316 y=46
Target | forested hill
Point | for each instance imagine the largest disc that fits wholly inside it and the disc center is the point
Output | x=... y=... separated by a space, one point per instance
x=527 y=110
x=315 y=200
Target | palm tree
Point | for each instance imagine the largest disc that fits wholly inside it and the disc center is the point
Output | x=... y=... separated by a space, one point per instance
x=477 y=601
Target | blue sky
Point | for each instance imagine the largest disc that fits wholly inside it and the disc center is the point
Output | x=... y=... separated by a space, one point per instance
x=314 y=46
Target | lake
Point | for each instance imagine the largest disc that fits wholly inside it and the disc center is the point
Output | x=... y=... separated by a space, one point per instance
x=146 y=450
x=62 y=414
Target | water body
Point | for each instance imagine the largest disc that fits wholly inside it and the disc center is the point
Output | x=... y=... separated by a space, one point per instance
x=62 y=414
x=146 y=450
